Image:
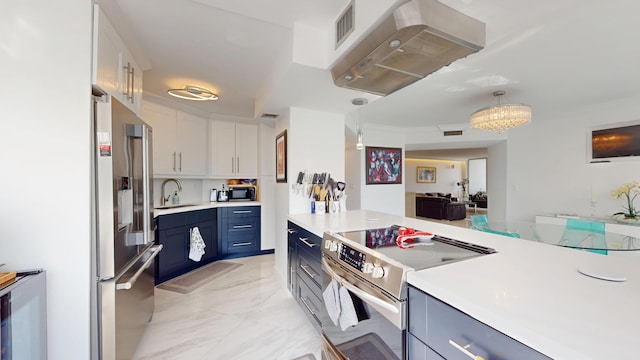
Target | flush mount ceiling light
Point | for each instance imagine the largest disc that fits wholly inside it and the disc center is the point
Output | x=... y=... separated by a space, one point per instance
x=193 y=93
x=501 y=117
x=359 y=102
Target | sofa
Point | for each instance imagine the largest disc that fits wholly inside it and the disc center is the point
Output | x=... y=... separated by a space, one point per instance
x=439 y=206
x=480 y=198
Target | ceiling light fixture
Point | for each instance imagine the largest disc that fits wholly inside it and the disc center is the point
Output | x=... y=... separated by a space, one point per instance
x=359 y=102
x=193 y=93
x=501 y=117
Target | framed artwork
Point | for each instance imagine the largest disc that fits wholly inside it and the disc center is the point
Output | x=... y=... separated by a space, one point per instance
x=425 y=174
x=281 y=157
x=384 y=165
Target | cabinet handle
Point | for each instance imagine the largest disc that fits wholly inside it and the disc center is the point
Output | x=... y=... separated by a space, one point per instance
x=307 y=305
x=127 y=73
x=242 y=244
x=232 y=166
x=241 y=211
x=304 y=240
x=180 y=168
x=291 y=231
x=132 y=70
x=242 y=226
x=238 y=165
x=464 y=350
x=304 y=268
x=174 y=161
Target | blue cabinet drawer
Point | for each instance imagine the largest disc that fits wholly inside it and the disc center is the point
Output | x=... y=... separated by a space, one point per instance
x=436 y=323
x=242 y=245
x=309 y=267
x=308 y=241
x=240 y=211
x=310 y=303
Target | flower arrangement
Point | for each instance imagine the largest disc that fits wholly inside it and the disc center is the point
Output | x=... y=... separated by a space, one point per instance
x=629 y=192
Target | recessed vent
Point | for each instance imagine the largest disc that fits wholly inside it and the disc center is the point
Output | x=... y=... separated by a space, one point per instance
x=344 y=25
x=269 y=116
x=452 y=133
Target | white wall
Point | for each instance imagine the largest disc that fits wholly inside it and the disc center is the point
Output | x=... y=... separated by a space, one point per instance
x=388 y=198
x=316 y=141
x=497 y=179
x=45 y=154
x=267 y=181
x=281 y=210
x=448 y=173
x=477 y=175
x=547 y=167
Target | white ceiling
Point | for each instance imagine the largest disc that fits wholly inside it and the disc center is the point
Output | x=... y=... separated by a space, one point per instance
x=554 y=55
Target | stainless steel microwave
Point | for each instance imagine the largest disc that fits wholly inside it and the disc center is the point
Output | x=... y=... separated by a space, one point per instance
x=242 y=193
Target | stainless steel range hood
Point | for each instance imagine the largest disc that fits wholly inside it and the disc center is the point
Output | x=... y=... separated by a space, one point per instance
x=417 y=39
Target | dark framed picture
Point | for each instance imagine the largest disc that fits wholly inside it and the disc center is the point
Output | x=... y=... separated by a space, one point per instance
x=425 y=174
x=281 y=157
x=384 y=165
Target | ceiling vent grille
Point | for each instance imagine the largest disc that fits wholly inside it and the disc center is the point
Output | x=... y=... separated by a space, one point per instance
x=344 y=25
x=269 y=116
x=453 y=133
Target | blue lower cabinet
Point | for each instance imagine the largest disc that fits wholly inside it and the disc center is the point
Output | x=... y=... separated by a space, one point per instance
x=174 y=232
x=437 y=327
x=239 y=231
x=305 y=272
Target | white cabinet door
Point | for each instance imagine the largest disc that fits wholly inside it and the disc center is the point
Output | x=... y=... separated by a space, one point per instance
x=163 y=121
x=191 y=144
x=106 y=54
x=246 y=151
x=222 y=154
x=114 y=70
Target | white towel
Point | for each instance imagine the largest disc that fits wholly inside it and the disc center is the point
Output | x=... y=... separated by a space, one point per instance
x=331 y=298
x=348 y=316
x=196 y=245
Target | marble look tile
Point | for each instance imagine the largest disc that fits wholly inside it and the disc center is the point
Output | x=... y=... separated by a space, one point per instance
x=246 y=314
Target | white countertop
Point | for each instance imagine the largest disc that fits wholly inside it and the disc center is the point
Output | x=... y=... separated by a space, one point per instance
x=201 y=206
x=530 y=291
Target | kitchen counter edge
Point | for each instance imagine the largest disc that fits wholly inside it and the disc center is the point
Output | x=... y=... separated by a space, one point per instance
x=202 y=206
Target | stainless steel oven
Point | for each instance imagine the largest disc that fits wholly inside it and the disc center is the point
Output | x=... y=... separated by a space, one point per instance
x=365 y=273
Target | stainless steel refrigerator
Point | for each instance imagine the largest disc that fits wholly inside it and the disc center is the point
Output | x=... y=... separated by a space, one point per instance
x=123 y=238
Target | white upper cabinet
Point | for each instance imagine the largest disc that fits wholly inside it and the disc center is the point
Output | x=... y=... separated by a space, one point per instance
x=234 y=150
x=179 y=141
x=114 y=70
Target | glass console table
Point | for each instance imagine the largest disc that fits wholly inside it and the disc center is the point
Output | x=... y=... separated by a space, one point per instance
x=555 y=234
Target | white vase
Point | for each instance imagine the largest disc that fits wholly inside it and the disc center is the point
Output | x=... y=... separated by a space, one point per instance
x=620 y=218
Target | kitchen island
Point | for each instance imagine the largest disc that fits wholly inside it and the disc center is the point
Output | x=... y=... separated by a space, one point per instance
x=529 y=291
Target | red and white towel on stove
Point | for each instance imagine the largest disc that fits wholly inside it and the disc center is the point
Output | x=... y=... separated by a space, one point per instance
x=344 y=308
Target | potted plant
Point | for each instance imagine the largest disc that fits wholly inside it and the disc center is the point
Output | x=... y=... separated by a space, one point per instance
x=627 y=192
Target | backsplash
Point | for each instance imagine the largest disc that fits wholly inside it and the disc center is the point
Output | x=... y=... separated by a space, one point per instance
x=193 y=190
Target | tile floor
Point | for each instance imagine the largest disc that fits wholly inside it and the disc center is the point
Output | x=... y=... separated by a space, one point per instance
x=245 y=314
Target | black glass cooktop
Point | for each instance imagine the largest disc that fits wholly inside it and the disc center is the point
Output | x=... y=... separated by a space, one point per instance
x=425 y=252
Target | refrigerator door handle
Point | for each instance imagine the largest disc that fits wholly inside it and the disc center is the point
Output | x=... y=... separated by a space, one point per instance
x=129 y=284
x=146 y=179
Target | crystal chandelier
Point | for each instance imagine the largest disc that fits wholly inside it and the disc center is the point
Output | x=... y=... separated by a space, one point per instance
x=501 y=117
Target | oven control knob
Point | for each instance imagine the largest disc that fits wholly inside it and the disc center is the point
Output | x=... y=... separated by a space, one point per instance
x=377 y=272
x=334 y=246
x=367 y=268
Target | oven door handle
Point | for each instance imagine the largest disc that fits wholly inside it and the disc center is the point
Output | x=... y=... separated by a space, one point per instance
x=359 y=293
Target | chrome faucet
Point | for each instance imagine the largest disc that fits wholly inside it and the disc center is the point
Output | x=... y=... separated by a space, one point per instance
x=164 y=200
